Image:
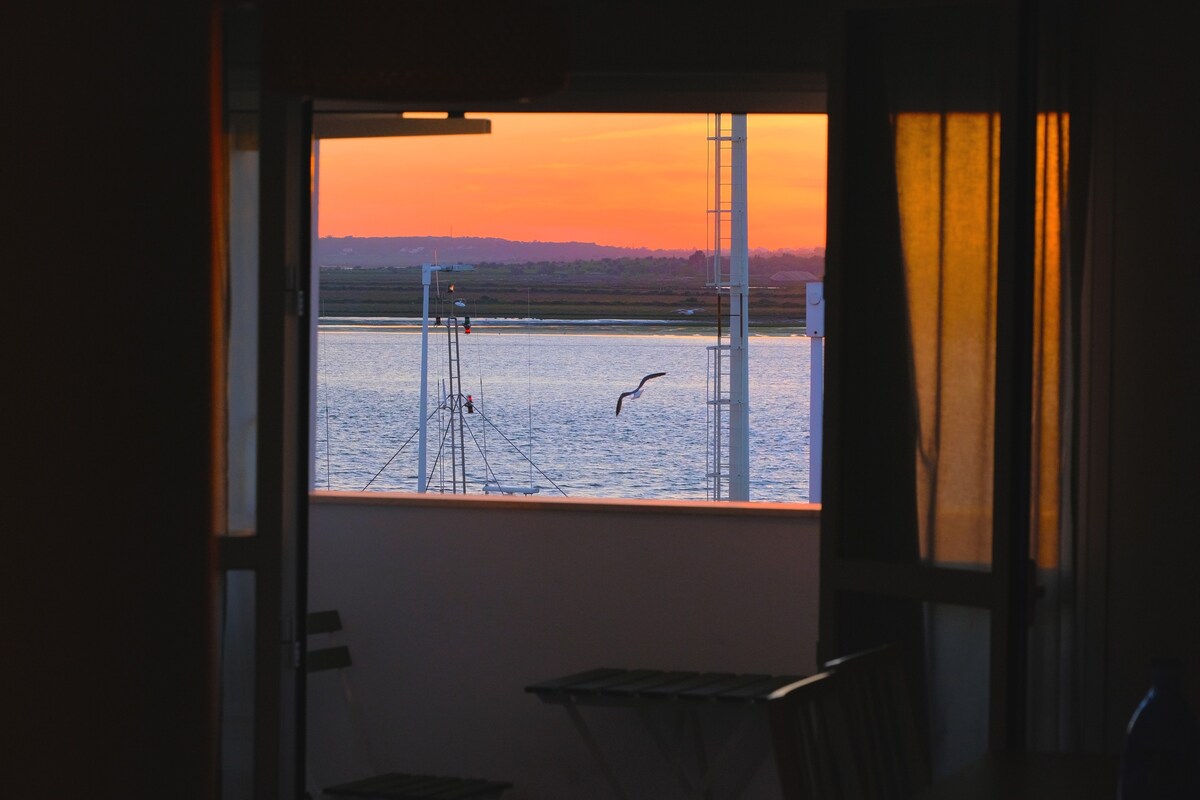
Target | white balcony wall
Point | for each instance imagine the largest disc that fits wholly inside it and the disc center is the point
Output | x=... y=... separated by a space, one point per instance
x=452 y=605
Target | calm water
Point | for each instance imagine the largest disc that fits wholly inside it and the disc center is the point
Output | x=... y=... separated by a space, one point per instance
x=551 y=390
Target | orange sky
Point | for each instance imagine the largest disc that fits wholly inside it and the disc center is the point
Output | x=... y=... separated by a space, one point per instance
x=634 y=180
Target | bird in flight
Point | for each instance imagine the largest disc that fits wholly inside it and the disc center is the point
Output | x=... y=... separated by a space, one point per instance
x=636 y=393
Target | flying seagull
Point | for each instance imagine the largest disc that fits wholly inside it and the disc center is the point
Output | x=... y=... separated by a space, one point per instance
x=636 y=393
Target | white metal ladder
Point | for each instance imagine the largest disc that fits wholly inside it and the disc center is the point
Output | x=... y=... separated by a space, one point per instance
x=720 y=200
x=719 y=208
x=728 y=392
x=717 y=460
x=454 y=404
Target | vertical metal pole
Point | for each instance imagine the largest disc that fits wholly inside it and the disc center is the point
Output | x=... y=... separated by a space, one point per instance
x=457 y=401
x=446 y=400
x=814 y=327
x=425 y=271
x=739 y=318
x=716 y=278
x=449 y=397
x=816 y=410
x=313 y=340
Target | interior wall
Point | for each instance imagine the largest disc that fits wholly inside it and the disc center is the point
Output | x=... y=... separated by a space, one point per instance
x=108 y=260
x=451 y=608
x=1144 y=519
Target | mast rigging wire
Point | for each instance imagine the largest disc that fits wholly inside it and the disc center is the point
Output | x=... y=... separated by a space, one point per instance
x=393 y=458
x=441 y=450
x=324 y=380
x=487 y=467
x=528 y=380
x=444 y=407
x=518 y=449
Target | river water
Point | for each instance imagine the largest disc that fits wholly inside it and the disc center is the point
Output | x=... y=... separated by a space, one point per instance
x=548 y=391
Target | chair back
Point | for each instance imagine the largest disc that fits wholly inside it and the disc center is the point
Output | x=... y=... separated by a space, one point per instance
x=887 y=751
x=325 y=658
x=809 y=739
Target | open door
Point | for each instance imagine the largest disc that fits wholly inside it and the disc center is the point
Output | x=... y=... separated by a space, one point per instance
x=277 y=61
x=262 y=555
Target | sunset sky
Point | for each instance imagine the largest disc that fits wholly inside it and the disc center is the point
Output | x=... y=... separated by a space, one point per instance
x=616 y=179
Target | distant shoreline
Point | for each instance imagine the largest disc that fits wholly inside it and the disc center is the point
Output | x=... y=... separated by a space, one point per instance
x=651 y=289
x=524 y=325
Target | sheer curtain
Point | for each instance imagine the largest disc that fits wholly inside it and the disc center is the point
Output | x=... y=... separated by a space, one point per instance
x=947 y=169
x=1053 y=723
x=947 y=176
x=914 y=283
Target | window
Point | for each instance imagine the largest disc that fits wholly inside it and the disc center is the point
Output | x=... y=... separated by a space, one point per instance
x=591 y=241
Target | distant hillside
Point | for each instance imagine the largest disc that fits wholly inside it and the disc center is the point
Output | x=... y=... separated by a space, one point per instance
x=356 y=251
x=649 y=287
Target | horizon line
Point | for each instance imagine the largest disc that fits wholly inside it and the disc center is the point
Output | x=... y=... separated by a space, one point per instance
x=552 y=241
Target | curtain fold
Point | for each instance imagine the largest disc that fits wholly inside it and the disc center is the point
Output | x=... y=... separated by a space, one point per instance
x=914 y=288
x=1051 y=721
x=869 y=409
x=947 y=164
x=947 y=171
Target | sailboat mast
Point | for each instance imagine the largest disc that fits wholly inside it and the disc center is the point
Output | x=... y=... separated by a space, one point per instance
x=422 y=422
x=426 y=271
x=454 y=401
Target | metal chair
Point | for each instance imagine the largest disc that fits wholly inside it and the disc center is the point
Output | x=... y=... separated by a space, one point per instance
x=391 y=785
